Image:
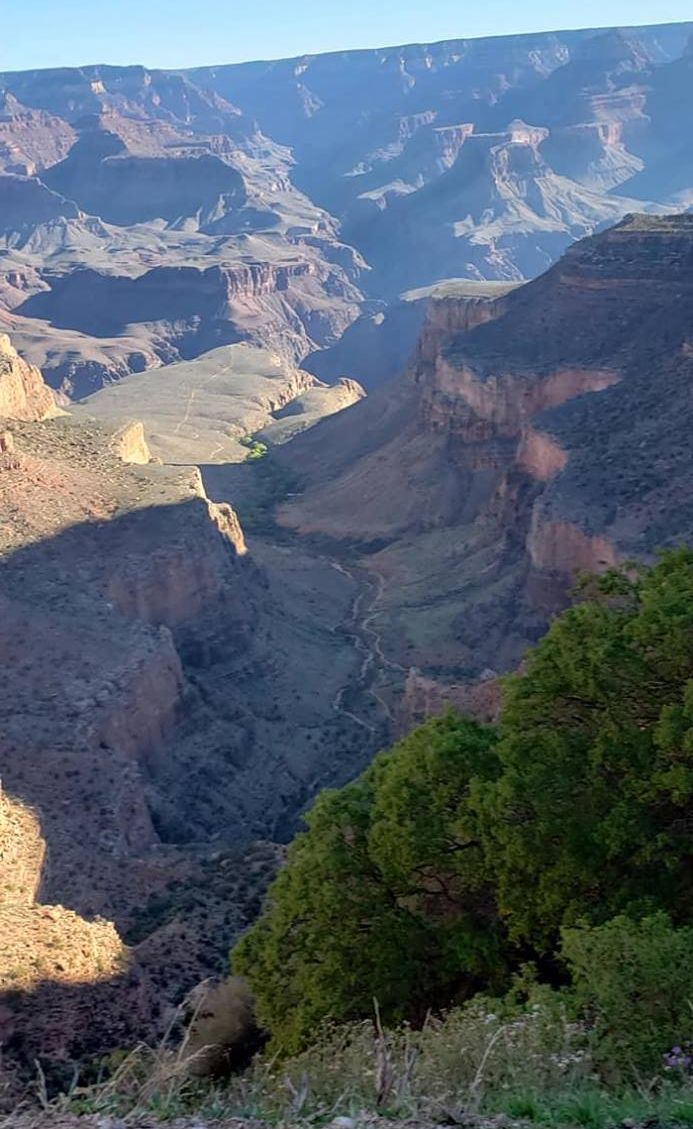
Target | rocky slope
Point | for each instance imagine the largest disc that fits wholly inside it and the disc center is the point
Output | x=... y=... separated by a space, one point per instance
x=535 y=435
x=51 y=953
x=205 y=411
x=157 y=218
x=168 y=703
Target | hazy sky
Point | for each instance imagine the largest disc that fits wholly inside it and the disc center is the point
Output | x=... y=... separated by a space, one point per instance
x=176 y=33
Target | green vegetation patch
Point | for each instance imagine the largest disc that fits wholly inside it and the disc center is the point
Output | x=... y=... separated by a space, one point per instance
x=256 y=449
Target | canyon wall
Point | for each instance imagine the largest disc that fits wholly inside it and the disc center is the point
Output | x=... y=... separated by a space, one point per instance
x=23 y=394
x=168 y=704
x=540 y=434
x=148 y=217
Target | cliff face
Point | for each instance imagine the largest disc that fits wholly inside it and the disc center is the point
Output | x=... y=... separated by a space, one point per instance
x=541 y=433
x=182 y=312
x=51 y=954
x=481 y=159
x=23 y=394
x=154 y=222
x=100 y=564
x=484 y=158
x=167 y=702
x=30 y=139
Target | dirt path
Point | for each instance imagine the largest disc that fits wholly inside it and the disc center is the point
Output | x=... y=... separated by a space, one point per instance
x=368 y=640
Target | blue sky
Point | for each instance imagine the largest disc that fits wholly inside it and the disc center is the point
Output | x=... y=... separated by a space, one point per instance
x=176 y=33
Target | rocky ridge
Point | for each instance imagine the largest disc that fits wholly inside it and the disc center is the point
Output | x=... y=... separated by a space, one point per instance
x=160 y=220
x=231 y=194
x=484 y=157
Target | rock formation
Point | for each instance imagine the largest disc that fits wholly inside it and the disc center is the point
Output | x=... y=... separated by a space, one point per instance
x=149 y=217
x=173 y=694
x=205 y=411
x=483 y=158
x=51 y=955
x=23 y=394
x=536 y=435
x=160 y=220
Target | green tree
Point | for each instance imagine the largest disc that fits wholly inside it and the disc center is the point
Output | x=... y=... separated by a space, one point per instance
x=633 y=984
x=383 y=896
x=592 y=813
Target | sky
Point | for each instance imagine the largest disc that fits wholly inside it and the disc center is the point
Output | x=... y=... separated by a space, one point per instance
x=180 y=33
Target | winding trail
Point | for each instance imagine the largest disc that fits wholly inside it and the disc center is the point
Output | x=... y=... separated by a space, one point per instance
x=364 y=611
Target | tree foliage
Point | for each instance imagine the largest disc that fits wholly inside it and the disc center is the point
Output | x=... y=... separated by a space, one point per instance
x=634 y=981
x=591 y=815
x=384 y=896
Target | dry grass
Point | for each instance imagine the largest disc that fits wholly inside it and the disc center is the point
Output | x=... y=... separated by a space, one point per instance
x=468 y=1068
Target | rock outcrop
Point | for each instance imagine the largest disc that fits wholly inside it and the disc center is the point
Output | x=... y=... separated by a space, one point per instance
x=23 y=393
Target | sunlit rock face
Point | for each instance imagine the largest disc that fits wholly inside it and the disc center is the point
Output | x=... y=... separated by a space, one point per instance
x=23 y=393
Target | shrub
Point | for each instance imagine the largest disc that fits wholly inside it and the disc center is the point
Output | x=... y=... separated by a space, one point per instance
x=589 y=816
x=384 y=896
x=633 y=984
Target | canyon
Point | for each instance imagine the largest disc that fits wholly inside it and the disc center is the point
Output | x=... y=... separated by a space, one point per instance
x=148 y=217
x=297 y=445
x=169 y=704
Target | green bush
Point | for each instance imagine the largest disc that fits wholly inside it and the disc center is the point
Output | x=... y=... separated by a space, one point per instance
x=589 y=816
x=633 y=987
x=385 y=896
x=256 y=449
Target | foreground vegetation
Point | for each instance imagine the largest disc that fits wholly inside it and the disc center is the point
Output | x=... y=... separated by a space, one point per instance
x=521 y=1056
